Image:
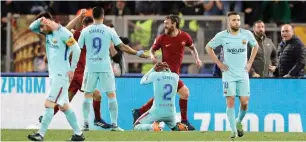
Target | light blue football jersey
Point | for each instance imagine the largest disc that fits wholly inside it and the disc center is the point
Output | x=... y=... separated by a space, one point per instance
x=98 y=38
x=235 y=52
x=57 y=50
x=165 y=87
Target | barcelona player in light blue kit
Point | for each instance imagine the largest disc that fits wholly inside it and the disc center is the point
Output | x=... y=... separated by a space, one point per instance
x=235 y=68
x=165 y=84
x=59 y=44
x=98 y=38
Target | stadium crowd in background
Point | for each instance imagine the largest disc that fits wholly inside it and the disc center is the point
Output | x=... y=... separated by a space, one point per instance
x=279 y=11
x=144 y=31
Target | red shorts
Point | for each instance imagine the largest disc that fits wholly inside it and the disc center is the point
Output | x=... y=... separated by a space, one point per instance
x=76 y=84
x=180 y=85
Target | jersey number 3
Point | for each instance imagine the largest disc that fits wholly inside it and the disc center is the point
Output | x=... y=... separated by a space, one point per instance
x=168 y=91
x=97 y=44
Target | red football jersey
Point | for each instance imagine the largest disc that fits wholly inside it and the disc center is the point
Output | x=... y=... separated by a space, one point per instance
x=82 y=60
x=173 y=49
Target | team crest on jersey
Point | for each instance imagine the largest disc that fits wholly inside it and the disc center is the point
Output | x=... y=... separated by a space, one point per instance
x=244 y=41
x=54 y=41
x=183 y=43
x=225 y=92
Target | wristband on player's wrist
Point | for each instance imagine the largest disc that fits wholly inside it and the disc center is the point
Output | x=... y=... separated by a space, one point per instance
x=140 y=52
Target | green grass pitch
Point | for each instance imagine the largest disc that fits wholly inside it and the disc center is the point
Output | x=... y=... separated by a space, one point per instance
x=63 y=135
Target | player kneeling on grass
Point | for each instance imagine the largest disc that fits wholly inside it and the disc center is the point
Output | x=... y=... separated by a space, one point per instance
x=165 y=85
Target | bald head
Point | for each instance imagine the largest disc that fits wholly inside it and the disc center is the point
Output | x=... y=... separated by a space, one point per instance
x=287 y=32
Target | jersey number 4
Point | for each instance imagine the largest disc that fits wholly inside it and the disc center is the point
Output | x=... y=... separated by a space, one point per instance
x=168 y=91
x=97 y=44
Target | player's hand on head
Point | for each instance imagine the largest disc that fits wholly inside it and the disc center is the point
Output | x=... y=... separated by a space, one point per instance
x=44 y=20
x=70 y=75
x=50 y=23
x=83 y=12
x=222 y=67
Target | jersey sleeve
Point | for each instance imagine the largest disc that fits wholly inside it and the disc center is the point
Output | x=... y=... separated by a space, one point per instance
x=251 y=39
x=35 y=26
x=157 y=43
x=81 y=39
x=216 y=41
x=115 y=38
x=189 y=40
x=67 y=37
x=149 y=77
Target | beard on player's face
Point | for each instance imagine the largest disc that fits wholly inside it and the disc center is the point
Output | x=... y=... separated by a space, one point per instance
x=169 y=30
x=235 y=28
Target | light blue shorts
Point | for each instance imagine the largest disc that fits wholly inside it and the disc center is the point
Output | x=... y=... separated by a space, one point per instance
x=236 y=88
x=58 y=92
x=105 y=80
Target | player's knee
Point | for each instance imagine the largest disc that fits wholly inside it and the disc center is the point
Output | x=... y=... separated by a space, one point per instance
x=230 y=101
x=184 y=93
x=63 y=108
x=97 y=95
x=111 y=94
x=244 y=105
x=88 y=95
x=49 y=104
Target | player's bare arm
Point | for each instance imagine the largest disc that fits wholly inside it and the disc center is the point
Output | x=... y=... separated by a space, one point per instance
x=112 y=50
x=129 y=50
x=195 y=55
x=76 y=20
x=252 y=57
x=153 y=55
x=214 y=57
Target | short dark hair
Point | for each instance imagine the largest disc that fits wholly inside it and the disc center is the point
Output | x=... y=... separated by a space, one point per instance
x=258 y=21
x=97 y=12
x=232 y=13
x=174 y=18
x=87 y=20
x=44 y=14
x=111 y=25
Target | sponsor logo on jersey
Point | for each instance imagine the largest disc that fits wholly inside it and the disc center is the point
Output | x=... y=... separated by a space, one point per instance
x=235 y=50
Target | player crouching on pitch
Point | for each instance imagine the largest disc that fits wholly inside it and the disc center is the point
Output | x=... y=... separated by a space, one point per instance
x=163 y=109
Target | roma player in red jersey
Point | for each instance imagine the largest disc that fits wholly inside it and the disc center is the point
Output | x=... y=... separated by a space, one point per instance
x=172 y=44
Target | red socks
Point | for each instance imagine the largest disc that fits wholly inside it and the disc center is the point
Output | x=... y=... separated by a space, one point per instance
x=183 y=106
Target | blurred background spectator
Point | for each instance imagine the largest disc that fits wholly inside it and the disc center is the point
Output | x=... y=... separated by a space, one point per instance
x=120 y=9
x=143 y=30
x=213 y=7
x=276 y=12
